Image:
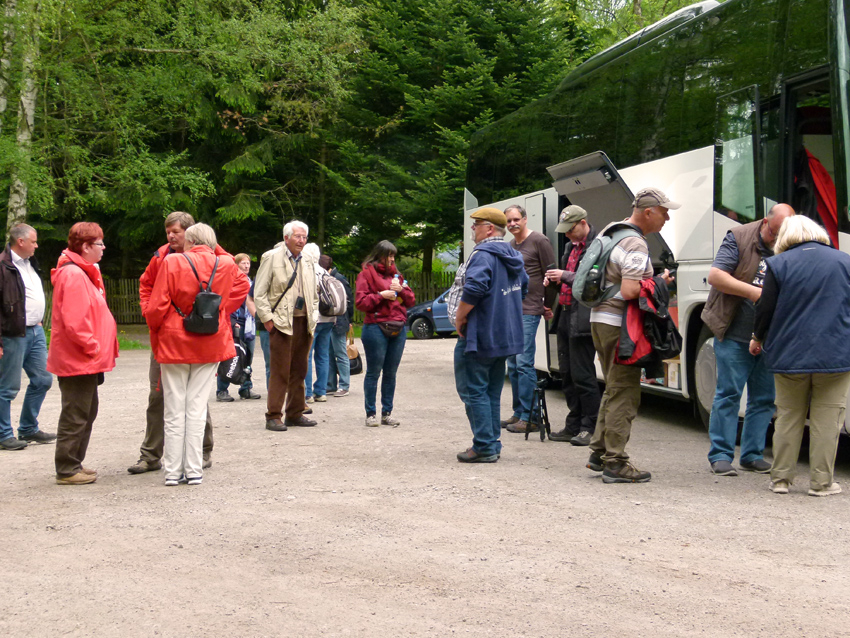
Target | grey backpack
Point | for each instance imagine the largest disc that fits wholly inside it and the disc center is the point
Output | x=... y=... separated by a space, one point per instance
x=589 y=283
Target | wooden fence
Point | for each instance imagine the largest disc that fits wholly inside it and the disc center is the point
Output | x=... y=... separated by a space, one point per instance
x=122 y=295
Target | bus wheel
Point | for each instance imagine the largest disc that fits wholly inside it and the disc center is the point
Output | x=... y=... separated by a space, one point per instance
x=705 y=374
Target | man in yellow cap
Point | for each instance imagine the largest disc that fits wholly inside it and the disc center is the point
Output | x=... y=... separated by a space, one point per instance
x=485 y=305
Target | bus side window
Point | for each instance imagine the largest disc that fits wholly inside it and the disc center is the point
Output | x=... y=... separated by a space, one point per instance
x=736 y=187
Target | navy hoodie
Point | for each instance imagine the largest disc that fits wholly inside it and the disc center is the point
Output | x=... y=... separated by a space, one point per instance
x=495 y=284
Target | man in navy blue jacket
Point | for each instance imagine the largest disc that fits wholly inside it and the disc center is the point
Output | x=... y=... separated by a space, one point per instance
x=485 y=305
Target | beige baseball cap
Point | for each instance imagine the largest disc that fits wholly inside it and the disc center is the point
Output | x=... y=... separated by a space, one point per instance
x=570 y=216
x=649 y=197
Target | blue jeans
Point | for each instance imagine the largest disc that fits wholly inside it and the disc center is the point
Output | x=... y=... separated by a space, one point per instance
x=264 y=346
x=735 y=368
x=320 y=352
x=383 y=355
x=339 y=365
x=521 y=370
x=222 y=385
x=28 y=353
x=479 y=384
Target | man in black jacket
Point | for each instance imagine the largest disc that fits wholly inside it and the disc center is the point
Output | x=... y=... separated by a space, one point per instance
x=575 y=342
x=23 y=345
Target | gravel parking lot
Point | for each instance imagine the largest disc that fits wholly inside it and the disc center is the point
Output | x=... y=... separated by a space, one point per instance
x=342 y=530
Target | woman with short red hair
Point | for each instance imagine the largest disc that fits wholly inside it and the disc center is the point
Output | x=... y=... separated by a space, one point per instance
x=83 y=346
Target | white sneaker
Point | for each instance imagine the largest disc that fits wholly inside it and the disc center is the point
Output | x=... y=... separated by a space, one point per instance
x=341 y=393
x=321 y=398
x=833 y=489
x=388 y=419
x=310 y=399
x=779 y=486
x=372 y=421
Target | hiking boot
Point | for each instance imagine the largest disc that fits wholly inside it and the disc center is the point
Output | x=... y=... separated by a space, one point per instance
x=248 y=394
x=12 y=444
x=833 y=489
x=471 y=456
x=595 y=462
x=301 y=422
x=759 y=466
x=563 y=436
x=38 y=437
x=223 y=397
x=387 y=419
x=582 y=438
x=143 y=466
x=507 y=422
x=779 y=486
x=623 y=472
x=521 y=427
x=372 y=421
x=275 y=425
x=723 y=468
x=80 y=478
x=88 y=471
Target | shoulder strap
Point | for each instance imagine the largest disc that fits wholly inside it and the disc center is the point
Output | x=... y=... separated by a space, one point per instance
x=288 y=286
x=200 y=285
x=212 y=275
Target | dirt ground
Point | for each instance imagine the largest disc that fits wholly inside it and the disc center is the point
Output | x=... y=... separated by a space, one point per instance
x=342 y=530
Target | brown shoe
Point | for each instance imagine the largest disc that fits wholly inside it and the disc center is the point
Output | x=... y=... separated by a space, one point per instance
x=509 y=421
x=143 y=466
x=275 y=425
x=301 y=422
x=80 y=478
x=623 y=472
x=86 y=470
x=521 y=427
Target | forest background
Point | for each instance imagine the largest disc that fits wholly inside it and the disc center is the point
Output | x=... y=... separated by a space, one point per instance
x=353 y=116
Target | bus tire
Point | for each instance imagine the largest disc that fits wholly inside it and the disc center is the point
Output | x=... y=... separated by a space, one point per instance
x=704 y=375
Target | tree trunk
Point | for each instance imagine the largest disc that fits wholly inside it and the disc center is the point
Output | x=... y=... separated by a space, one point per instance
x=637 y=11
x=6 y=59
x=26 y=123
x=427 y=257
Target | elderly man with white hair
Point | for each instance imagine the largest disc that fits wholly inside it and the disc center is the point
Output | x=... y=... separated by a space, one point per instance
x=287 y=301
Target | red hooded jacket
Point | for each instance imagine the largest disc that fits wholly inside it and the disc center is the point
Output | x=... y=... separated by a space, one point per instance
x=367 y=295
x=176 y=283
x=83 y=337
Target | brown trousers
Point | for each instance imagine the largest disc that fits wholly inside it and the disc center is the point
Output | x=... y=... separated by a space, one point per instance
x=288 y=363
x=620 y=401
x=79 y=410
x=151 y=450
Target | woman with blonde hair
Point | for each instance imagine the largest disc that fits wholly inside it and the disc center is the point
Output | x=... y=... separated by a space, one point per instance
x=802 y=324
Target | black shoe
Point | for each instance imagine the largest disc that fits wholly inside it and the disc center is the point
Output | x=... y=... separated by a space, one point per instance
x=563 y=436
x=12 y=444
x=301 y=422
x=248 y=394
x=759 y=466
x=582 y=438
x=595 y=462
x=308 y=411
x=38 y=437
x=223 y=397
x=275 y=425
x=471 y=456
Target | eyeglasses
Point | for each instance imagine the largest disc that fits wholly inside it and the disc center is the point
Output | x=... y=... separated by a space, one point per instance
x=475 y=224
x=99 y=244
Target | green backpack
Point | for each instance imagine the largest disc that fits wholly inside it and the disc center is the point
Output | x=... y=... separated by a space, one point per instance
x=589 y=283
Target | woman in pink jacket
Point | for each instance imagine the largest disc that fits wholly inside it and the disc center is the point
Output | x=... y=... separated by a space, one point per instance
x=83 y=345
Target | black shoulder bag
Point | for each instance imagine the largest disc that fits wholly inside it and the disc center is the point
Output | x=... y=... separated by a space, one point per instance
x=203 y=319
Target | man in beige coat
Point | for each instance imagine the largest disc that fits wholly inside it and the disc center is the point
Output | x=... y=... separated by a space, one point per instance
x=287 y=303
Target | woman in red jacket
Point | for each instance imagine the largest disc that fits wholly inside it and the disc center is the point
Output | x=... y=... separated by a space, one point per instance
x=188 y=359
x=83 y=345
x=383 y=295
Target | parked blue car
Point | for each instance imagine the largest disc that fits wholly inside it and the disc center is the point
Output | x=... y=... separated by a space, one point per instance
x=426 y=319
